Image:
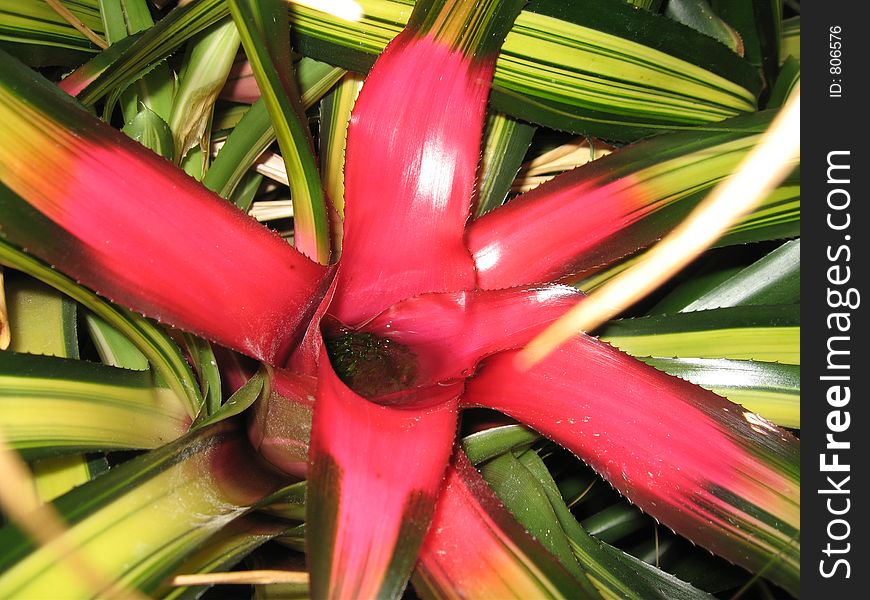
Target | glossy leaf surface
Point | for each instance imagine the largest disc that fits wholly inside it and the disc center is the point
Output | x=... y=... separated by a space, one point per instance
x=106 y=209
x=738 y=498
x=774 y=279
x=436 y=98
x=159 y=349
x=528 y=489
x=767 y=388
x=606 y=209
x=172 y=499
x=450 y=333
x=94 y=407
x=266 y=39
x=766 y=333
x=355 y=552
x=696 y=80
x=475 y=548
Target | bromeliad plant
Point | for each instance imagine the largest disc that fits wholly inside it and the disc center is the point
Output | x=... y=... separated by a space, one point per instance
x=373 y=342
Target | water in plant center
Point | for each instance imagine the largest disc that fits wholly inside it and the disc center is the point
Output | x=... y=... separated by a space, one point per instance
x=370 y=365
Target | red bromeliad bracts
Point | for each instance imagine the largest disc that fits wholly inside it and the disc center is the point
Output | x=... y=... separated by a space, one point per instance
x=412 y=324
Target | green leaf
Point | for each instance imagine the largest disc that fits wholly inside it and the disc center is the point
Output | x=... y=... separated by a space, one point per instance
x=334 y=119
x=615 y=573
x=37 y=35
x=758 y=22
x=238 y=403
x=615 y=522
x=147 y=128
x=243 y=195
x=112 y=346
x=712 y=272
x=786 y=82
x=765 y=333
x=315 y=79
x=207 y=64
x=725 y=281
x=698 y=15
x=74 y=83
x=525 y=498
x=204 y=362
x=125 y=62
x=335 y=110
x=704 y=571
x=777 y=217
x=264 y=31
x=160 y=350
x=790 y=43
x=492 y=442
x=222 y=551
x=124 y=17
x=92 y=406
x=650 y=5
x=283 y=591
x=41 y=320
x=597 y=53
x=505 y=144
x=287 y=503
x=528 y=490
x=56 y=475
x=773 y=279
x=621 y=41
x=767 y=388
x=610 y=43
x=254 y=132
x=169 y=501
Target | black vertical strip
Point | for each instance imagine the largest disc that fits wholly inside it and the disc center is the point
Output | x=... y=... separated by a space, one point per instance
x=834 y=50
x=321 y=518
x=416 y=517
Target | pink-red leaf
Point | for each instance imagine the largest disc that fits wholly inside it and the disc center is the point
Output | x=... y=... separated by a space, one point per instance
x=553 y=230
x=449 y=333
x=128 y=224
x=721 y=476
x=606 y=209
x=412 y=149
x=476 y=549
x=306 y=357
x=373 y=481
